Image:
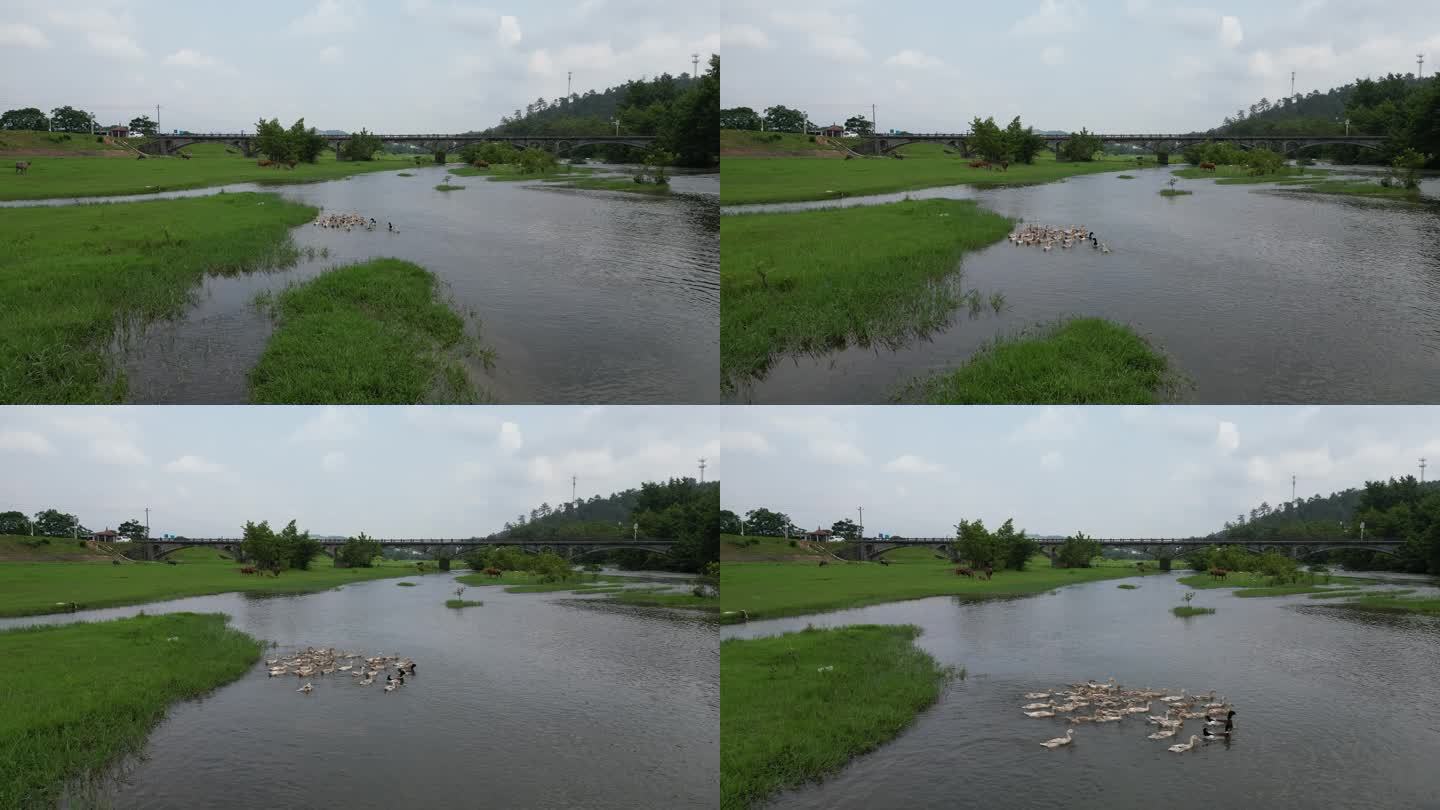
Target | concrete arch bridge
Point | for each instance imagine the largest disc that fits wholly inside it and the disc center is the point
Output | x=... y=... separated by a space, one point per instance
x=1284 y=144
x=172 y=144
x=569 y=548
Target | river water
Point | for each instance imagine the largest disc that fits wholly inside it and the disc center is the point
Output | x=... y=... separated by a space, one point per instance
x=584 y=296
x=1258 y=294
x=533 y=700
x=1336 y=708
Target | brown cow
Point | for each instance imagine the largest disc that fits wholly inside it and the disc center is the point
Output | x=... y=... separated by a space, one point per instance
x=1209 y=167
x=492 y=572
x=22 y=167
x=249 y=569
x=1218 y=573
x=263 y=163
x=824 y=563
x=962 y=571
x=988 y=571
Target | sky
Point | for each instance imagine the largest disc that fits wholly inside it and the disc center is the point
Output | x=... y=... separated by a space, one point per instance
x=404 y=66
x=388 y=471
x=1134 y=471
x=1116 y=66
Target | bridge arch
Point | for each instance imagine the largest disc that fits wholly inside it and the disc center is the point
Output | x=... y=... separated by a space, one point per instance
x=876 y=550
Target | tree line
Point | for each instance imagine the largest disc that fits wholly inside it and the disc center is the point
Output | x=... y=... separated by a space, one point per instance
x=682 y=112
x=66 y=119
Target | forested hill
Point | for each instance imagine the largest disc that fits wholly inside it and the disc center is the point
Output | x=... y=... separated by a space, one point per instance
x=1330 y=515
x=1401 y=107
x=683 y=111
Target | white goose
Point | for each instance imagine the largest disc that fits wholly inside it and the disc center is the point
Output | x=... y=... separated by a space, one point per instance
x=1040 y=714
x=1174 y=698
x=308 y=687
x=1059 y=741
x=1036 y=695
x=1164 y=735
x=1181 y=748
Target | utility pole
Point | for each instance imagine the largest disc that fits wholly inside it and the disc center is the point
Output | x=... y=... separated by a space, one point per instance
x=1419 y=65
x=572 y=489
x=1422 y=470
x=568 y=74
x=1292 y=488
x=702 y=469
x=1347 y=127
x=616 y=122
x=1292 y=83
x=694 y=65
x=147 y=523
x=862 y=522
x=157 y=119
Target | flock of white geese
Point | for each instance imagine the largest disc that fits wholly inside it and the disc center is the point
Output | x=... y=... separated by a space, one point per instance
x=1111 y=703
x=1049 y=237
x=350 y=221
x=310 y=663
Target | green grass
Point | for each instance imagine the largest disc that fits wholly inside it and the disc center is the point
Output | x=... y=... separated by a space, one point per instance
x=738 y=143
x=1360 y=188
x=569 y=585
x=1341 y=594
x=463 y=603
x=1186 y=610
x=818 y=280
x=1127 y=587
x=22 y=548
x=783 y=723
x=80 y=695
x=405 y=174
x=21 y=143
x=70 y=276
x=791 y=179
x=610 y=184
x=28 y=589
x=669 y=600
x=106 y=177
x=1124 y=177
x=406 y=584
x=1170 y=192
x=1250 y=584
x=513 y=172
x=1080 y=361
x=1390 y=604
x=1227 y=174
x=769 y=590
x=371 y=333
x=448 y=187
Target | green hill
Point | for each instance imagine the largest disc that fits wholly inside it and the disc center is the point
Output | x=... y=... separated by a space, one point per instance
x=20 y=143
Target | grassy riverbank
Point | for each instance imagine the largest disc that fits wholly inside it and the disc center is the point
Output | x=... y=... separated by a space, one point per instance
x=28 y=589
x=1393 y=604
x=1226 y=174
x=1360 y=188
x=818 y=280
x=612 y=184
x=649 y=598
x=1170 y=192
x=1185 y=611
x=107 y=177
x=1079 y=361
x=71 y=276
x=792 y=179
x=371 y=333
x=797 y=707
x=770 y=590
x=79 y=696
x=513 y=172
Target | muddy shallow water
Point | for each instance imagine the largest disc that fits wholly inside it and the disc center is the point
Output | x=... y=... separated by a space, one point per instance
x=1335 y=708
x=1259 y=295
x=533 y=700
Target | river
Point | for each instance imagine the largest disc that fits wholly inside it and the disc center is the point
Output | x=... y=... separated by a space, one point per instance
x=1259 y=295
x=1336 y=708
x=584 y=296
x=533 y=700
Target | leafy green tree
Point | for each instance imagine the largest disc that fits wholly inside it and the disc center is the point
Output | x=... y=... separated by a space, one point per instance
x=297 y=547
x=1077 y=551
x=1016 y=547
x=132 y=530
x=1406 y=166
x=31 y=118
x=362 y=146
x=729 y=522
x=54 y=523
x=860 y=125
x=259 y=543
x=692 y=128
x=359 y=552
x=977 y=544
x=536 y=161
x=14 y=523
x=272 y=141
x=988 y=140
x=1081 y=146
x=1021 y=142
x=739 y=118
x=1262 y=161
x=766 y=523
x=306 y=143
x=69 y=119
x=846 y=529
x=551 y=568
x=783 y=119
x=143 y=125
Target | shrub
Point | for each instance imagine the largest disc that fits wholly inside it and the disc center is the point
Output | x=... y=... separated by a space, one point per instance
x=362 y=146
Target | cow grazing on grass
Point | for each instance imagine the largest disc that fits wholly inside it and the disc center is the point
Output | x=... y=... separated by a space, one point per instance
x=22 y=167
x=264 y=163
x=1209 y=167
x=988 y=571
x=979 y=164
x=962 y=571
x=493 y=572
x=824 y=563
x=1218 y=573
x=249 y=569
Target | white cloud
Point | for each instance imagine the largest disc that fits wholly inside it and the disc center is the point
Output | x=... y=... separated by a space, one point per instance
x=331 y=424
x=1230 y=32
x=913 y=59
x=26 y=441
x=837 y=451
x=744 y=36
x=911 y=464
x=509 y=31
x=1053 y=17
x=839 y=47
x=119 y=451
x=185 y=57
x=333 y=461
x=23 y=36
x=540 y=63
x=1052 y=55
x=510 y=438
x=332 y=55
x=1051 y=423
x=1227 y=437
x=1052 y=461
x=747 y=441
x=327 y=17
x=119 y=46
x=193 y=464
